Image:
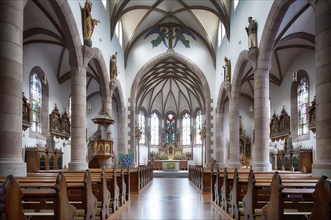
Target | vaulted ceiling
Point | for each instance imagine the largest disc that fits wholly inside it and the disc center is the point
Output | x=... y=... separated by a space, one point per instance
x=295 y=36
x=171 y=86
x=202 y=18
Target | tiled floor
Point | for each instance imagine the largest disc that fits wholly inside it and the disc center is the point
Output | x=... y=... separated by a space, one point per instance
x=170 y=198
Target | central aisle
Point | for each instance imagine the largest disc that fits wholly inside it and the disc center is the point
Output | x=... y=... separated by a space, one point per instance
x=170 y=198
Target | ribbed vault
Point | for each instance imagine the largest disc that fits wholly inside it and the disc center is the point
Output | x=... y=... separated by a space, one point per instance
x=170 y=86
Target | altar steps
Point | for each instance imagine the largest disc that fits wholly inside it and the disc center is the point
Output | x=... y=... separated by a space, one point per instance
x=170 y=174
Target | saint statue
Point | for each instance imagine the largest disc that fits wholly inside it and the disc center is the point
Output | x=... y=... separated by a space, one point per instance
x=251 y=30
x=227 y=69
x=113 y=66
x=88 y=23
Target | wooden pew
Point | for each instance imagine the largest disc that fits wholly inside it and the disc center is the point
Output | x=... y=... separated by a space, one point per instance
x=225 y=191
x=10 y=200
x=274 y=210
x=233 y=189
x=79 y=188
x=201 y=177
x=12 y=194
x=103 y=185
x=140 y=177
x=257 y=192
x=322 y=200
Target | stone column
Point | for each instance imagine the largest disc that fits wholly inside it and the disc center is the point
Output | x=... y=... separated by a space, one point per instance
x=261 y=160
x=234 y=159
x=78 y=119
x=107 y=108
x=220 y=147
x=323 y=88
x=11 y=81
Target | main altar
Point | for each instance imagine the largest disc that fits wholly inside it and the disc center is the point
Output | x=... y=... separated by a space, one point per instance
x=170 y=152
x=169 y=155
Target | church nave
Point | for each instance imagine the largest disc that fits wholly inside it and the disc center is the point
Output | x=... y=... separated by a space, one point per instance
x=170 y=198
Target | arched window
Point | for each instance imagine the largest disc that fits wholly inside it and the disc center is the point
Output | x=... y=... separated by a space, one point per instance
x=302 y=94
x=141 y=121
x=170 y=129
x=104 y=2
x=235 y=4
x=119 y=32
x=154 y=129
x=186 y=125
x=198 y=122
x=36 y=101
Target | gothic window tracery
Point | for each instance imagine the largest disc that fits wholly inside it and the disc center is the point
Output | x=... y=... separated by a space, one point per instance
x=141 y=123
x=36 y=101
x=198 y=128
x=154 y=129
x=302 y=94
x=186 y=124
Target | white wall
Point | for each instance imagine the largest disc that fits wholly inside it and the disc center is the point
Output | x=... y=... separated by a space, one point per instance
x=246 y=116
x=95 y=102
x=226 y=130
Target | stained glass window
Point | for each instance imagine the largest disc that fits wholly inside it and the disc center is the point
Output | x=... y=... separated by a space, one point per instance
x=302 y=106
x=36 y=101
x=141 y=119
x=154 y=129
x=170 y=129
x=198 y=129
x=186 y=125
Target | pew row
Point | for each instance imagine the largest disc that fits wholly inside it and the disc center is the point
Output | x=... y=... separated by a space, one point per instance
x=11 y=196
x=278 y=203
x=232 y=187
x=200 y=177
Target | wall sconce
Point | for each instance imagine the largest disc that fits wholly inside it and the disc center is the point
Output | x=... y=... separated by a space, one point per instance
x=250 y=108
x=89 y=106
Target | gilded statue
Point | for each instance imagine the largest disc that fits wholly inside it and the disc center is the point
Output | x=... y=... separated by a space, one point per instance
x=251 y=30
x=88 y=23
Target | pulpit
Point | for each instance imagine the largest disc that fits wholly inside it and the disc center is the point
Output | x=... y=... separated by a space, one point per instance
x=103 y=146
x=103 y=150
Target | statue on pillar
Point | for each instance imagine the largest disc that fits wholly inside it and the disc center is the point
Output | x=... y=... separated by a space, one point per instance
x=251 y=30
x=113 y=67
x=88 y=23
x=227 y=69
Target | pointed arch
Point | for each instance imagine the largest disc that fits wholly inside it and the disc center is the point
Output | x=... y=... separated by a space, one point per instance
x=223 y=97
x=170 y=54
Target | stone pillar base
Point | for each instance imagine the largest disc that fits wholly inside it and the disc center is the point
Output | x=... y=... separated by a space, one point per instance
x=233 y=165
x=77 y=166
x=12 y=167
x=261 y=166
x=322 y=169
